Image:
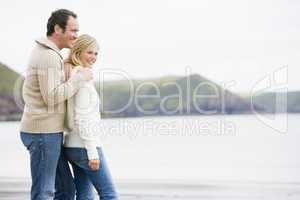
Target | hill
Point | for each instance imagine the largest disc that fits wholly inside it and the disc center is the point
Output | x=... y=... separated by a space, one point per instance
x=164 y=96
x=9 y=93
x=168 y=95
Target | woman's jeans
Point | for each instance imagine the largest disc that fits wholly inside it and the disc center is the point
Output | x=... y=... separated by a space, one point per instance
x=85 y=178
x=50 y=172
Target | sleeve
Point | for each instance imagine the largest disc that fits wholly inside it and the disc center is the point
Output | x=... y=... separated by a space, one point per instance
x=84 y=105
x=53 y=89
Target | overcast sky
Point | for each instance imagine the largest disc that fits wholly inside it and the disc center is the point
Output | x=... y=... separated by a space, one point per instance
x=232 y=40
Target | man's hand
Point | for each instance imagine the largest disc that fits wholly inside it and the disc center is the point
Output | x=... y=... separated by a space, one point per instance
x=94 y=164
x=86 y=73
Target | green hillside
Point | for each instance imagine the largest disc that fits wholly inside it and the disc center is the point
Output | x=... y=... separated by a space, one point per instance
x=276 y=102
x=9 y=93
x=8 y=79
x=164 y=96
x=174 y=95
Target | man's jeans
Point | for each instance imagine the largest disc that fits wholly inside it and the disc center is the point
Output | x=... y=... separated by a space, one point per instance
x=50 y=172
x=85 y=178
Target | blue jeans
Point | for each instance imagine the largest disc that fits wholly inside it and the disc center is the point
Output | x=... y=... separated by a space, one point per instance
x=85 y=178
x=50 y=172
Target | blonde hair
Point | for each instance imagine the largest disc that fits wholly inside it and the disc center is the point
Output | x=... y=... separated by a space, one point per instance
x=82 y=43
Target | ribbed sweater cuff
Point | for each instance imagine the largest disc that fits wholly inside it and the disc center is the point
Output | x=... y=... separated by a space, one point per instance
x=92 y=151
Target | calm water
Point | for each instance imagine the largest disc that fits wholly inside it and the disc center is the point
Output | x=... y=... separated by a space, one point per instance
x=215 y=157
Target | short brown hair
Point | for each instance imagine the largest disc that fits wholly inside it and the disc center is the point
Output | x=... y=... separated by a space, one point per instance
x=59 y=17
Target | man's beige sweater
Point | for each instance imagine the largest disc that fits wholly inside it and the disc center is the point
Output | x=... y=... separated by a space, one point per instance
x=45 y=91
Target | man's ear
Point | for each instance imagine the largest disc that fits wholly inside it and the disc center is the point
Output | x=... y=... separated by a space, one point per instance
x=57 y=29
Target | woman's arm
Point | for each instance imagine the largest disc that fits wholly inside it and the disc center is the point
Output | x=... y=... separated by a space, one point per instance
x=84 y=105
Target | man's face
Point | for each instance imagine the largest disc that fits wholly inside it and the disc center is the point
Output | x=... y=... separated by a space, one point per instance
x=69 y=37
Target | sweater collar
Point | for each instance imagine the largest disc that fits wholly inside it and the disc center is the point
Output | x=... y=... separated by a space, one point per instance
x=49 y=44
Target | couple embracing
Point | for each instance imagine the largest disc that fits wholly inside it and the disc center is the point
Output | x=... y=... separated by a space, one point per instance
x=61 y=119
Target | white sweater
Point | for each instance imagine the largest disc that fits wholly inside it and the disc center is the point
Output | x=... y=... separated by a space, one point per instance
x=83 y=119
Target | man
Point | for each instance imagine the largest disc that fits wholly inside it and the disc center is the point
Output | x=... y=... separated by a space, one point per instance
x=45 y=93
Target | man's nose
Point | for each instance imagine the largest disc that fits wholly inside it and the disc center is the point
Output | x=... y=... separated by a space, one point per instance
x=75 y=36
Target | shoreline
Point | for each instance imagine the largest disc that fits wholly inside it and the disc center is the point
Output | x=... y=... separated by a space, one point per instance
x=17 y=117
x=18 y=188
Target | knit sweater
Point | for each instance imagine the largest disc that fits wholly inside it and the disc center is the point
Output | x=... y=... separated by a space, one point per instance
x=83 y=119
x=45 y=90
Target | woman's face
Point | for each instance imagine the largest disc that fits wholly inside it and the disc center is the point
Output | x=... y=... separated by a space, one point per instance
x=89 y=56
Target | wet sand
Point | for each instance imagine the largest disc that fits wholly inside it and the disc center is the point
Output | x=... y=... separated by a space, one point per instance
x=18 y=189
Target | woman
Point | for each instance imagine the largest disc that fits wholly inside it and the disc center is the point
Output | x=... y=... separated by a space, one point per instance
x=82 y=145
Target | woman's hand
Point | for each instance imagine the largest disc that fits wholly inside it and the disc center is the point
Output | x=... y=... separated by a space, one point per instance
x=94 y=164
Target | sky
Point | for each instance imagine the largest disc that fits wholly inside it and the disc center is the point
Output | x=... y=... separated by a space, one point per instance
x=240 y=41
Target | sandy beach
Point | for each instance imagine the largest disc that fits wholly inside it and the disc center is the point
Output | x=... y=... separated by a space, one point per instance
x=255 y=164
x=18 y=189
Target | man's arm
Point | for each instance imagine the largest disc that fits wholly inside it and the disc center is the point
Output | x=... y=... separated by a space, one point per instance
x=52 y=86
